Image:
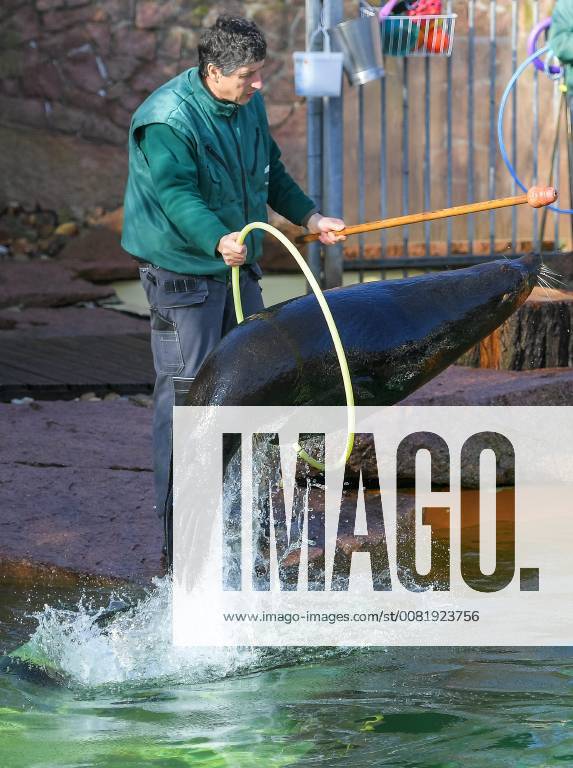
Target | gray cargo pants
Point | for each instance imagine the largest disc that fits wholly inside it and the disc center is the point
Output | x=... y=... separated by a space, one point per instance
x=189 y=316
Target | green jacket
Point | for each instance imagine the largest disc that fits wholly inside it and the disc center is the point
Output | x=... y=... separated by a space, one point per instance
x=561 y=37
x=177 y=208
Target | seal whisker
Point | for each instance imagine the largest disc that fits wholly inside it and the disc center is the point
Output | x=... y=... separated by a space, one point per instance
x=545 y=269
x=552 y=281
x=543 y=284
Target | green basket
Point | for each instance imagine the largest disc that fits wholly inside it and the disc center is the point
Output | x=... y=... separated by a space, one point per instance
x=398 y=39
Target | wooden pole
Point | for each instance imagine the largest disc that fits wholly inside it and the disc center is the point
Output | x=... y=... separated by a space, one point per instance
x=537 y=197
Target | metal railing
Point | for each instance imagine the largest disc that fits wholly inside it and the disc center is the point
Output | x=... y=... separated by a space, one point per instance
x=435 y=118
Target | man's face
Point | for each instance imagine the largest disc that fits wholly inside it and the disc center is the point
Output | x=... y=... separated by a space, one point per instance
x=237 y=87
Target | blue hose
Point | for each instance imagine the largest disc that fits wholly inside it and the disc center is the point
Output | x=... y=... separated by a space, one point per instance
x=529 y=60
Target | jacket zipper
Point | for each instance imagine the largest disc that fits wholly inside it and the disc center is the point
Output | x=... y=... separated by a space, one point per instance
x=254 y=168
x=243 y=181
x=216 y=155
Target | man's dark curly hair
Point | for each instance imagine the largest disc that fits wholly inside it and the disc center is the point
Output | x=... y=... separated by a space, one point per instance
x=231 y=42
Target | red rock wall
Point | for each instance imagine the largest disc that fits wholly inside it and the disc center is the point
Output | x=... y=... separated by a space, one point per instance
x=73 y=71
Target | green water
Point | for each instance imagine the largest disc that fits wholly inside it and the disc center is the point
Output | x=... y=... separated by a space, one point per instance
x=126 y=701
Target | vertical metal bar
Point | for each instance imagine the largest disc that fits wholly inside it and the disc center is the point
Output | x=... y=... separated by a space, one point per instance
x=361 y=175
x=314 y=141
x=569 y=124
x=471 y=60
x=514 y=24
x=449 y=142
x=557 y=101
x=333 y=168
x=492 y=116
x=427 y=168
x=535 y=137
x=405 y=157
x=383 y=171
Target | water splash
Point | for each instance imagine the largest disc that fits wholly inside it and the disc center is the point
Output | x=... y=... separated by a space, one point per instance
x=134 y=646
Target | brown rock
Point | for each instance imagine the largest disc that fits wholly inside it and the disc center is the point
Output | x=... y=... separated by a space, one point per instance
x=45 y=284
x=98 y=256
x=81 y=69
x=121 y=68
x=12 y=63
x=118 y=10
x=134 y=43
x=172 y=43
x=112 y=220
x=87 y=125
x=151 y=14
x=23 y=111
x=60 y=170
x=123 y=93
x=43 y=80
x=82 y=100
x=100 y=34
x=67 y=228
x=58 y=44
x=120 y=116
x=151 y=76
x=10 y=86
x=49 y=5
x=62 y=19
x=478 y=386
x=21 y=245
x=24 y=22
x=7 y=323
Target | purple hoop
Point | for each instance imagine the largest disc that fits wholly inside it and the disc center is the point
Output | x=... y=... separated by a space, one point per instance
x=387 y=9
x=532 y=47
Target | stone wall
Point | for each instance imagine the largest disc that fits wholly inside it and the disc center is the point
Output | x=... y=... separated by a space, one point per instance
x=73 y=71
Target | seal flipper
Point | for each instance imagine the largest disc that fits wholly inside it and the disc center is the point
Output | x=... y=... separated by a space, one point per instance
x=30 y=665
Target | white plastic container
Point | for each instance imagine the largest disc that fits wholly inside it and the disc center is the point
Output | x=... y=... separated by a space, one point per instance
x=318 y=73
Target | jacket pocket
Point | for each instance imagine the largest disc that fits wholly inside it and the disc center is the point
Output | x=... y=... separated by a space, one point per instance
x=216 y=170
x=256 y=152
x=259 y=167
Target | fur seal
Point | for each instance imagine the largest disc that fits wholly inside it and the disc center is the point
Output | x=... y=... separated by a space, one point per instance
x=397 y=335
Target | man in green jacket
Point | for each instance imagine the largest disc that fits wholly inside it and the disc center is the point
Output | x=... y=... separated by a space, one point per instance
x=561 y=38
x=202 y=165
x=561 y=42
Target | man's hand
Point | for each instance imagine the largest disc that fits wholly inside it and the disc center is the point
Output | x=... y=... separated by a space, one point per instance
x=327 y=228
x=233 y=254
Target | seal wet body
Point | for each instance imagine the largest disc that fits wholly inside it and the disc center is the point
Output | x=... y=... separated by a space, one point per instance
x=397 y=335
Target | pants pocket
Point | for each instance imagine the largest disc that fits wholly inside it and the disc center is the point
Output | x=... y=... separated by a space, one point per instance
x=165 y=345
x=174 y=290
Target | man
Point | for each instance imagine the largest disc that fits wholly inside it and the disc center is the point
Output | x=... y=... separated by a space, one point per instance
x=561 y=42
x=202 y=164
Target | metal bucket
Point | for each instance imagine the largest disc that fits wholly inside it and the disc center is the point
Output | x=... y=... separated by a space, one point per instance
x=359 y=39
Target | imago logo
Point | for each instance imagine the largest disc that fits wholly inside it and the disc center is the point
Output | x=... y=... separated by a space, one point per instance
x=269 y=517
x=442 y=526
